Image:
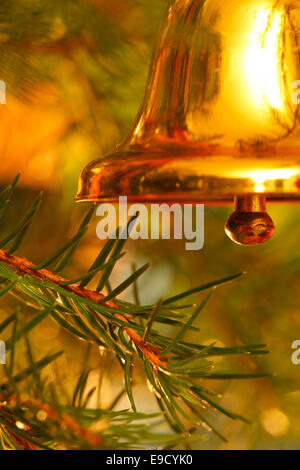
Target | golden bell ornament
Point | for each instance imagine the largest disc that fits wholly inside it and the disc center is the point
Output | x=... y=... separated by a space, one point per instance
x=219 y=121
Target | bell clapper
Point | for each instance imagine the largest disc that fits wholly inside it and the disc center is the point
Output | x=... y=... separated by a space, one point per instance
x=249 y=223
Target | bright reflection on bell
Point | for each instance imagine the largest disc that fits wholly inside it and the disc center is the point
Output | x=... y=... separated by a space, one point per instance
x=220 y=115
x=261 y=58
x=261 y=178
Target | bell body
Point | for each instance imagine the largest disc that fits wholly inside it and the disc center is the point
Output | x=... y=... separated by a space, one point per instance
x=220 y=115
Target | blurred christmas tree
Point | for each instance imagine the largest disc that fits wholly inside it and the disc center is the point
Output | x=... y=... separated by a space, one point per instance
x=71 y=65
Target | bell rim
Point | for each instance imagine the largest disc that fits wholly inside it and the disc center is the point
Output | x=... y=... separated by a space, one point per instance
x=170 y=176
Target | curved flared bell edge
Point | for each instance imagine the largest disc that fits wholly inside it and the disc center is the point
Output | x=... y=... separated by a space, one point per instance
x=155 y=176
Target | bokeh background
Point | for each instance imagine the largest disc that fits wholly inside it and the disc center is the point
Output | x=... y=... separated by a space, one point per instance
x=75 y=73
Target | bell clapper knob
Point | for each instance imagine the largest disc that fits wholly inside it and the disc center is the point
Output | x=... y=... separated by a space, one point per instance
x=249 y=223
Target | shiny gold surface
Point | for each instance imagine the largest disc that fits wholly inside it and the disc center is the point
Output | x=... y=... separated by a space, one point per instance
x=219 y=116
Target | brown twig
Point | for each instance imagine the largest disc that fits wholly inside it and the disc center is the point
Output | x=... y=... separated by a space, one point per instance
x=64 y=420
x=19 y=441
x=24 y=266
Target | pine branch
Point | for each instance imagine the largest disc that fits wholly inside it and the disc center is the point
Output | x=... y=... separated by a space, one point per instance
x=25 y=267
x=173 y=367
x=63 y=420
x=41 y=421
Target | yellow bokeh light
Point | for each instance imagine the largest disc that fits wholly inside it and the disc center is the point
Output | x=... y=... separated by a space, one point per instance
x=275 y=422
